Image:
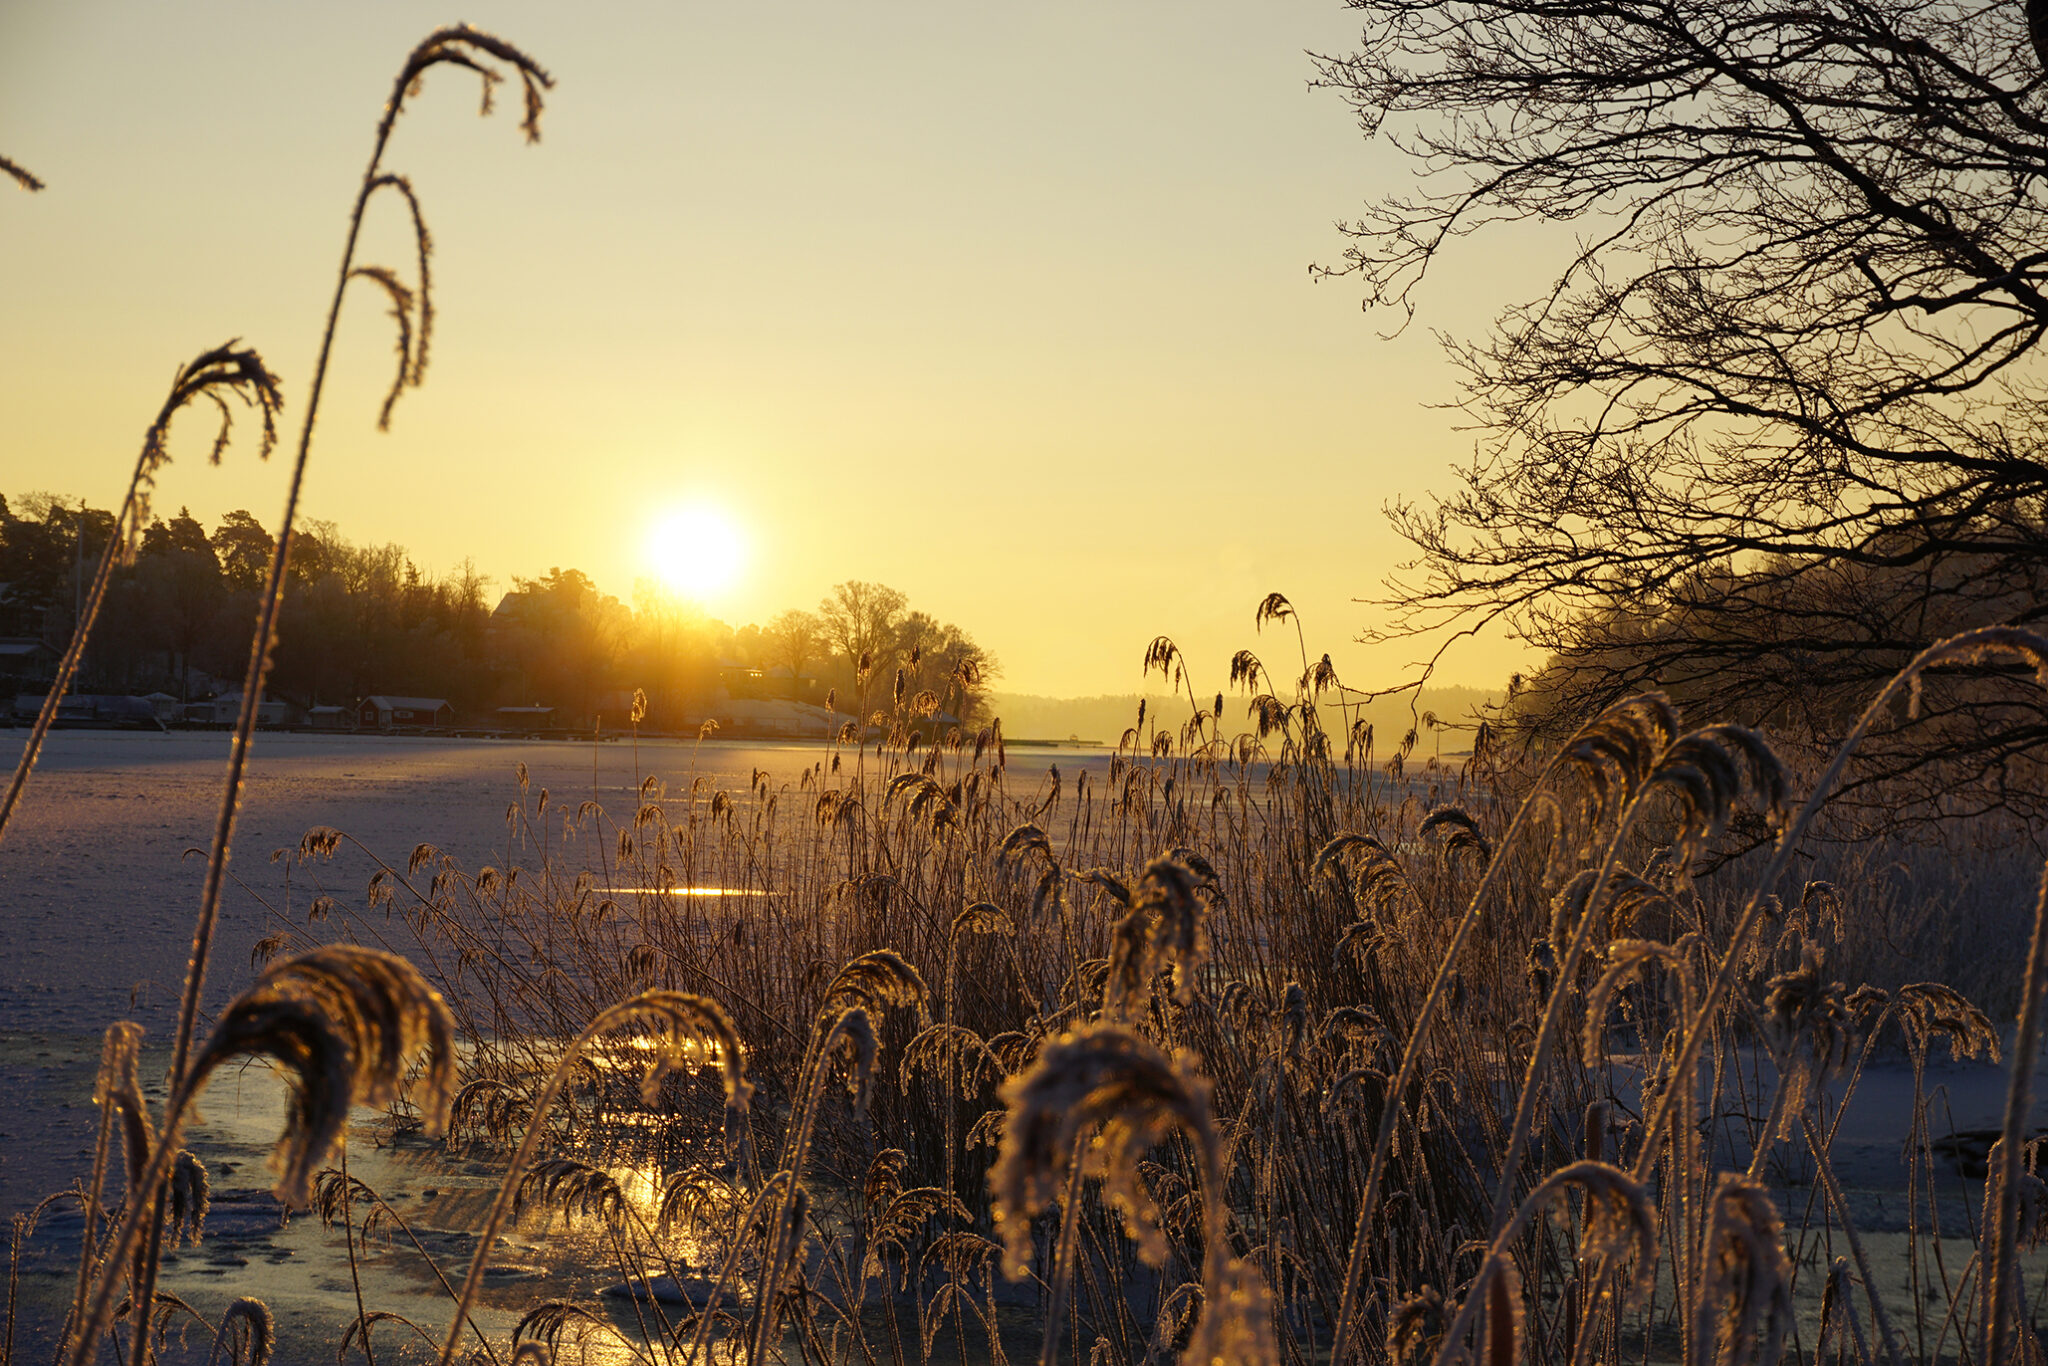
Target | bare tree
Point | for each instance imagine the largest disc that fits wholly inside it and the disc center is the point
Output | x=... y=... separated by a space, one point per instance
x=1778 y=421
x=794 y=638
x=938 y=659
x=859 y=620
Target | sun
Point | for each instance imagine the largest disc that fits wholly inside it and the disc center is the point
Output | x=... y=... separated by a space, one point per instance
x=697 y=550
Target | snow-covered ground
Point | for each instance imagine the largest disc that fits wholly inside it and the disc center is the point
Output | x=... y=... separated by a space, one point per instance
x=100 y=875
x=98 y=891
x=100 y=872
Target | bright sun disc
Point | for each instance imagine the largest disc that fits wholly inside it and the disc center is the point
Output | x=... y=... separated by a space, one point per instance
x=697 y=551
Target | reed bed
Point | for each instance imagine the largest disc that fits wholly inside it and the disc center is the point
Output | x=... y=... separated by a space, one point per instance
x=1253 y=1052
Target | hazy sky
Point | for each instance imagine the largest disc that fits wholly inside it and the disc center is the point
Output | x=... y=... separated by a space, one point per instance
x=1006 y=306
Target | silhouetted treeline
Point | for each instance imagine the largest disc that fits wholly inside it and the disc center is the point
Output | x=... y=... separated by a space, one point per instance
x=361 y=620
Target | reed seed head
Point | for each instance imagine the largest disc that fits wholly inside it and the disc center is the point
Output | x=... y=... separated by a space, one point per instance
x=1102 y=1077
x=462 y=46
x=537 y=1337
x=983 y=917
x=1415 y=1327
x=1458 y=833
x=1175 y=897
x=947 y=1051
x=685 y=1032
x=1616 y=751
x=1710 y=769
x=213 y=377
x=1743 y=1307
x=344 y=1025
x=573 y=1187
x=875 y=982
x=189 y=1195
x=1808 y=1022
x=1127 y=978
x=1162 y=654
x=247 y=1334
x=1625 y=958
x=1933 y=1010
x=1619 y=1219
x=897 y=1220
x=1357 y=1032
x=119 y=1084
x=19 y=175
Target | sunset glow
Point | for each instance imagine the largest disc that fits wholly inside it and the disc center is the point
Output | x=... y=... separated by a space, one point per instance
x=697 y=550
x=868 y=372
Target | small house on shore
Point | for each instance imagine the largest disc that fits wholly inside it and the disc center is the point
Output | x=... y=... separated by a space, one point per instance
x=226 y=710
x=27 y=657
x=404 y=713
x=526 y=720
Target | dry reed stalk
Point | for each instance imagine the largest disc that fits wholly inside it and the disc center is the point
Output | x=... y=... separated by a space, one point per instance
x=344 y=1025
x=678 y=1023
x=458 y=46
x=355 y=1277
x=1968 y=646
x=1620 y=736
x=2000 y=1278
x=213 y=376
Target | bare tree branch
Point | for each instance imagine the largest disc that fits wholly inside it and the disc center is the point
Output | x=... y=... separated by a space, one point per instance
x=1779 y=421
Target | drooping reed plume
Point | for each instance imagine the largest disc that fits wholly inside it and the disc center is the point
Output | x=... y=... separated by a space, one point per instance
x=343 y=1026
x=1092 y=1104
x=247 y=1335
x=213 y=377
x=1743 y=1309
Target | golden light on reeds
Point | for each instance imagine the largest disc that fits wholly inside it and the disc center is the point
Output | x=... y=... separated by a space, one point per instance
x=1197 y=1049
x=1188 y=996
x=344 y=1027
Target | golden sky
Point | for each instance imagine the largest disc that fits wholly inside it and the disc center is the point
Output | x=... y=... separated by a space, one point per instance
x=1006 y=306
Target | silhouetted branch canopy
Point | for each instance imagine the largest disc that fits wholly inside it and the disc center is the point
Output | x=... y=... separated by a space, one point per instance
x=1776 y=422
